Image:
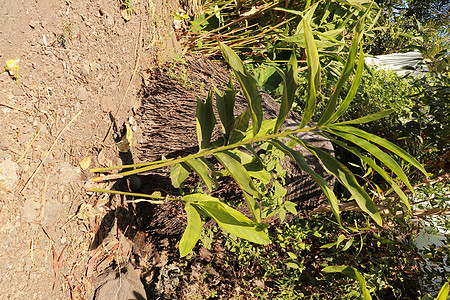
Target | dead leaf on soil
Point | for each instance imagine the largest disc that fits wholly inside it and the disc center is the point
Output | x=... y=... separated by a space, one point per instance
x=85 y=163
x=124 y=144
x=12 y=66
x=126 y=13
x=103 y=160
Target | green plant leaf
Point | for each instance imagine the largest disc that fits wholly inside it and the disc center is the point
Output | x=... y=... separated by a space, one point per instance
x=353 y=89
x=225 y=106
x=248 y=86
x=239 y=127
x=243 y=179
x=368 y=118
x=178 y=173
x=382 y=142
x=378 y=169
x=229 y=219
x=290 y=83
x=443 y=293
x=301 y=162
x=193 y=230
x=312 y=59
x=345 y=74
x=352 y=272
x=202 y=170
x=375 y=151
x=205 y=121
x=347 y=179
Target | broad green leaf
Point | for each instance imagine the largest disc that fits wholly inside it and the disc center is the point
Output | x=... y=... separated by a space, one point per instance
x=369 y=118
x=242 y=178
x=229 y=219
x=225 y=106
x=290 y=207
x=248 y=86
x=312 y=59
x=178 y=173
x=202 y=170
x=443 y=293
x=352 y=272
x=345 y=74
x=205 y=121
x=193 y=230
x=301 y=162
x=290 y=82
x=376 y=152
x=353 y=89
x=378 y=169
x=382 y=142
x=347 y=179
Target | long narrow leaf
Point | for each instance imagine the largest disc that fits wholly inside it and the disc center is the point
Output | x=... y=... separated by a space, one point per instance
x=312 y=59
x=352 y=272
x=301 y=162
x=367 y=119
x=225 y=106
x=346 y=72
x=353 y=89
x=193 y=230
x=375 y=151
x=347 y=179
x=377 y=169
x=248 y=86
x=443 y=293
x=290 y=83
x=382 y=142
x=205 y=121
x=243 y=179
x=202 y=171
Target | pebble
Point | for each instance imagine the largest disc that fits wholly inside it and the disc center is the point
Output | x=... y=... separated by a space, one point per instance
x=84 y=71
x=9 y=177
x=33 y=24
x=82 y=93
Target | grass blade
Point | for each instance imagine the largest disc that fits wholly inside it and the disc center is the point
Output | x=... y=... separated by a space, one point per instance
x=376 y=152
x=347 y=179
x=382 y=142
x=248 y=85
x=369 y=118
x=290 y=82
x=312 y=58
x=205 y=121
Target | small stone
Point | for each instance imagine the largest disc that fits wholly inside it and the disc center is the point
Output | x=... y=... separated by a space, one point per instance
x=84 y=71
x=4 y=144
x=107 y=103
x=82 y=93
x=109 y=20
x=9 y=177
x=18 y=92
x=33 y=24
x=30 y=210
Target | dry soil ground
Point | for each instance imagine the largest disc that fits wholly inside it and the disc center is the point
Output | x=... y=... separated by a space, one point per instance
x=79 y=60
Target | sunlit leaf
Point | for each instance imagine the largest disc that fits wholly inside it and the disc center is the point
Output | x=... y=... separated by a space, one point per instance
x=347 y=179
x=178 y=173
x=230 y=219
x=290 y=82
x=312 y=59
x=225 y=106
x=193 y=230
x=301 y=162
x=248 y=86
x=202 y=170
x=352 y=272
x=382 y=142
x=205 y=121
x=368 y=118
